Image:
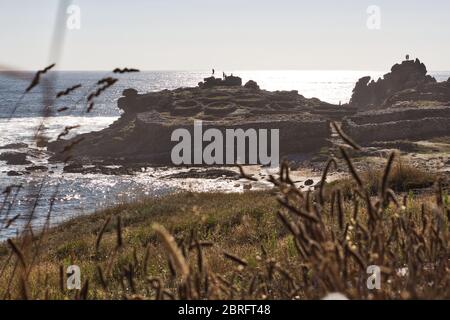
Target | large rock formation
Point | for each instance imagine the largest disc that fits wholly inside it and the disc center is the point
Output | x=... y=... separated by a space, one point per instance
x=373 y=94
x=143 y=133
x=406 y=104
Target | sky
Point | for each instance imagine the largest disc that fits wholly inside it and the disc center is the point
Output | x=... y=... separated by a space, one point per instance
x=228 y=35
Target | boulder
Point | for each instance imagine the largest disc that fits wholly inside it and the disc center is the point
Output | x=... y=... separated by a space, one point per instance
x=15 y=158
x=36 y=168
x=251 y=85
x=130 y=93
x=13 y=173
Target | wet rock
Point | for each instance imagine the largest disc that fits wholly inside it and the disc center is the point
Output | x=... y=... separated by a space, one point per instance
x=15 y=146
x=36 y=168
x=73 y=168
x=14 y=158
x=205 y=174
x=100 y=169
x=13 y=173
x=248 y=186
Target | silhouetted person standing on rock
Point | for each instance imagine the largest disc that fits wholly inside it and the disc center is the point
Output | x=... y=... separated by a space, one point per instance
x=224 y=75
x=213 y=71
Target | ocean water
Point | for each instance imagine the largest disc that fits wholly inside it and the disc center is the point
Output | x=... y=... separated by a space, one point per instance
x=20 y=116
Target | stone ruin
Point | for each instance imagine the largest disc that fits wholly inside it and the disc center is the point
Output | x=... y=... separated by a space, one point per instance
x=143 y=133
x=405 y=104
x=228 y=81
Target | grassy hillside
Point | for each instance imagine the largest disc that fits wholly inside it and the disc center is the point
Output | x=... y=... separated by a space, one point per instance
x=279 y=244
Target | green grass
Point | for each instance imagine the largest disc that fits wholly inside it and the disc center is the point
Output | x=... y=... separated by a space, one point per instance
x=239 y=223
x=248 y=226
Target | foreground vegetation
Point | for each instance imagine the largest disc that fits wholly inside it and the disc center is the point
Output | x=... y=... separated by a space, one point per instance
x=278 y=244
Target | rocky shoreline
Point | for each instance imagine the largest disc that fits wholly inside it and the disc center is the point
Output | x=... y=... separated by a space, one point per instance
x=401 y=109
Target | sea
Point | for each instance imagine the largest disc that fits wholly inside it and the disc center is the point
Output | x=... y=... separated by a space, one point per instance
x=70 y=195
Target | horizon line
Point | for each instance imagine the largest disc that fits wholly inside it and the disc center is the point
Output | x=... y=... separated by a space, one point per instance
x=193 y=70
x=218 y=71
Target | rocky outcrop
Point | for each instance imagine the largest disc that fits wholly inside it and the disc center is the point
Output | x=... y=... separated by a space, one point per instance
x=406 y=104
x=251 y=85
x=227 y=81
x=407 y=75
x=143 y=133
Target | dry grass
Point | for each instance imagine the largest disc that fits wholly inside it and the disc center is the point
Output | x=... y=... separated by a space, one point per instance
x=284 y=244
x=403 y=177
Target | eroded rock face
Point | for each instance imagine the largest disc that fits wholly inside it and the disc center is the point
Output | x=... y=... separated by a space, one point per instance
x=407 y=75
x=143 y=133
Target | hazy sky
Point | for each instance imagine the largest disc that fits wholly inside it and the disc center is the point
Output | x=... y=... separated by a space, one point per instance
x=228 y=35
